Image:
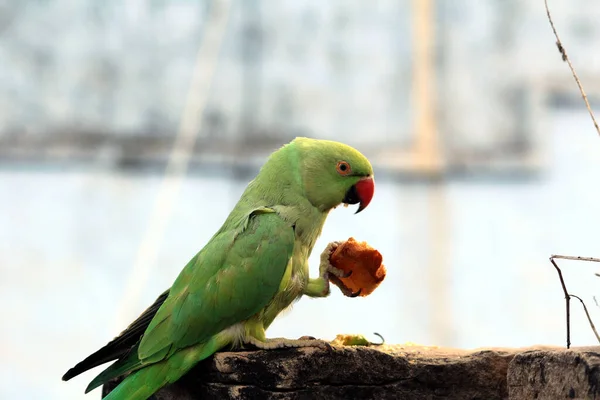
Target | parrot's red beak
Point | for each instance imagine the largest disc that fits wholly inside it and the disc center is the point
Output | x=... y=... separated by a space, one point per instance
x=361 y=192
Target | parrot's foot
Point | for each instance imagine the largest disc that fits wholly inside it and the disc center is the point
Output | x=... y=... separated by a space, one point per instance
x=283 y=343
x=333 y=274
x=320 y=286
x=325 y=267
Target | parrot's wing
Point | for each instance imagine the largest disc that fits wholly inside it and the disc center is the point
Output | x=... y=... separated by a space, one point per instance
x=231 y=279
x=122 y=344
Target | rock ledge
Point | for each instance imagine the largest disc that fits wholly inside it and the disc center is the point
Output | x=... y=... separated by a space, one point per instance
x=392 y=372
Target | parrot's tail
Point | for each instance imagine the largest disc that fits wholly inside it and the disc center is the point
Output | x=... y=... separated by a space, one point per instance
x=146 y=381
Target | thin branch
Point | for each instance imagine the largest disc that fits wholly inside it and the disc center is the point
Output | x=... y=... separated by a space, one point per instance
x=568 y=296
x=567 y=299
x=563 y=52
x=587 y=314
x=576 y=258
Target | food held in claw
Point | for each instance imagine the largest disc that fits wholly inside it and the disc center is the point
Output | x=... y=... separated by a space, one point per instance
x=363 y=261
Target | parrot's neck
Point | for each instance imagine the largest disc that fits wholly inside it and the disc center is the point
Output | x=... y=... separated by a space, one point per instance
x=309 y=223
x=279 y=185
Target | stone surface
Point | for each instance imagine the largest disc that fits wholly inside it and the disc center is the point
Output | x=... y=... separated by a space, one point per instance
x=393 y=372
x=378 y=372
x=555 y=374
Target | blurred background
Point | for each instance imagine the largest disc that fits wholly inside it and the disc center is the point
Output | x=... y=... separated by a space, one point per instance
x=128 y=131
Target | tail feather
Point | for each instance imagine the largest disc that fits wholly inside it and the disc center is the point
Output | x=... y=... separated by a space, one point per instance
x=127 y=364
x=148 y=379
x=141 y=384
x=120 y=346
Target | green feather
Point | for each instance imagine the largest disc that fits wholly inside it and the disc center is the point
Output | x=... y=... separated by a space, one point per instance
x=232 y=278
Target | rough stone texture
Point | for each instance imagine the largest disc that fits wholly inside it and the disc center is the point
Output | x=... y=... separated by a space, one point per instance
x=393 y=372
x=380 y=372
x=556 y=374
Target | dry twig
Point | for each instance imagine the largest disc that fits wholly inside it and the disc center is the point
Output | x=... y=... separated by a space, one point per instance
x=587 y=314
x=568 y=295
x=565 y=57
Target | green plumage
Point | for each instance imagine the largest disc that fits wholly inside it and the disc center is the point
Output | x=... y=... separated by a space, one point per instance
x=254 y=267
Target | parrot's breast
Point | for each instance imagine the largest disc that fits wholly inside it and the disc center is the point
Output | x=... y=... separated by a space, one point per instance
x=292 y=285
x=308 y=223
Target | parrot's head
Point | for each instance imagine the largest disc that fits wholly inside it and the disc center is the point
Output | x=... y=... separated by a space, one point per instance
x=334 y=173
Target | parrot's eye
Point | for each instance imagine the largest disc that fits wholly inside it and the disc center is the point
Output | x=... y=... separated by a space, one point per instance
x=343 y=168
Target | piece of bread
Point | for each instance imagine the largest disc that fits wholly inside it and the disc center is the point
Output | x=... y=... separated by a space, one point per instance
x=363 y=261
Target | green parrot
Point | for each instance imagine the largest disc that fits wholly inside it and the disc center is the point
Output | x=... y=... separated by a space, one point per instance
x=254 y=267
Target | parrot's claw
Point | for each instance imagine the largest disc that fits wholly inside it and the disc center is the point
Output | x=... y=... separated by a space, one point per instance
x=342 y=273
x=325 y=267
x=320 y=286
x=283 y=343
x=345 y=290
x=338 y=272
